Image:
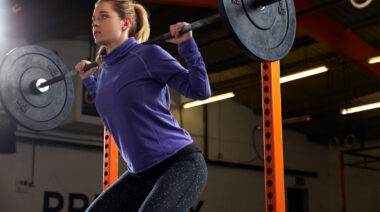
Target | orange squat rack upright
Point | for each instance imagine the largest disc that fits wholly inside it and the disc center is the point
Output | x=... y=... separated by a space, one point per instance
x=272 y=134
x=110 y=160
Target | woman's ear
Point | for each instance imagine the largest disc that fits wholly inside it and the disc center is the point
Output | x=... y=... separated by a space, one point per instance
x=127 y=22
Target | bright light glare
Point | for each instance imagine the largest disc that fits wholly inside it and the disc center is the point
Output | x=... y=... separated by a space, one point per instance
x=4 y=5
x=373 y=60
x=303 y=74
x=360 y=108
x=209 y=100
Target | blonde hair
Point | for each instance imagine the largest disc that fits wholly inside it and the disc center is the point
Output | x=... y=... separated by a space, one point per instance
x=140 y=28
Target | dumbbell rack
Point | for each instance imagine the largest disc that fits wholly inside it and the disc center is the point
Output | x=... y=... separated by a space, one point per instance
x=272 y=133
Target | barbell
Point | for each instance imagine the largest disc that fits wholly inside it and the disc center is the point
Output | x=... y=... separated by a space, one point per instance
x=263 y=29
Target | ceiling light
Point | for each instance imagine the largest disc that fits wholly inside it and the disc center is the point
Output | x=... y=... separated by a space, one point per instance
x=373 y=60
x=360 y=108
x=303 y=74
x=209 y=100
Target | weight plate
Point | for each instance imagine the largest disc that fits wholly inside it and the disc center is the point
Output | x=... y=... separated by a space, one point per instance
x=19 y=71
x=263 y=33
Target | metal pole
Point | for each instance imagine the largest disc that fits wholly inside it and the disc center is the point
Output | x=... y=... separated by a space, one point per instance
x=111 y=160
x=272 y=130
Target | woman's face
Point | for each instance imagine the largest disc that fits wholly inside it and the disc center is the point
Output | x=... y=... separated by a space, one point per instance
x=107 y=26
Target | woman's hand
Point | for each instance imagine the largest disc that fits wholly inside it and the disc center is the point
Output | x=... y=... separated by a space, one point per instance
x=80 y=66
x=175 y=29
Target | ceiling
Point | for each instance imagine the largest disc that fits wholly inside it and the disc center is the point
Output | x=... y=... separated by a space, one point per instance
x=331 y=33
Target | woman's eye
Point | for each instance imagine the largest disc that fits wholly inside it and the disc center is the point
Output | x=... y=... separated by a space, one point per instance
x=104 y=16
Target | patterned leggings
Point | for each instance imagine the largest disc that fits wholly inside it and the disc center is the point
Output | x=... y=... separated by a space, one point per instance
x=171 y=186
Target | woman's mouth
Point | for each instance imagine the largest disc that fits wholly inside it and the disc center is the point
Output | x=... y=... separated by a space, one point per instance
x=96 y=33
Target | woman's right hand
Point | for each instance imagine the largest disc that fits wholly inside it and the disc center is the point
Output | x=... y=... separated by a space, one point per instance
x=80 y=66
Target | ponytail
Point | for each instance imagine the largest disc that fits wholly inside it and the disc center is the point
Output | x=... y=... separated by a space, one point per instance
x=140 y=28
x=98 y=59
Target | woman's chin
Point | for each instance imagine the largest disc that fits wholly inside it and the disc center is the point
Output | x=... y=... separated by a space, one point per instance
x=97 y=41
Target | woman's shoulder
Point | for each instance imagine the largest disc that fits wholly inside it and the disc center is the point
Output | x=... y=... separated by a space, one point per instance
x=152 y=51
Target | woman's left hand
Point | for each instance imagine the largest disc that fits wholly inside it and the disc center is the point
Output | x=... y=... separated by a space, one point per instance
x=175 y=31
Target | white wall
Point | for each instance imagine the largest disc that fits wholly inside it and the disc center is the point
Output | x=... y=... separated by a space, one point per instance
x=58 y=168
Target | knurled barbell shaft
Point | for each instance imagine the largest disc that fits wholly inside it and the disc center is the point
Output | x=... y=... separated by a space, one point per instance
x=67 y=75
x=193 y=26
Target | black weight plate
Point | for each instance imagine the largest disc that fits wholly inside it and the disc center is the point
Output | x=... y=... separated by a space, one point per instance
x=263 y=33
x=19 y=70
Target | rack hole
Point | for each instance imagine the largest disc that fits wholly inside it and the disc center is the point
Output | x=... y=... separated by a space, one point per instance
x=267 y=135
x=270 y=195
x=268 y=147
x=266 y=89
x=266 y=100
x=266 y=66
x=269 y=171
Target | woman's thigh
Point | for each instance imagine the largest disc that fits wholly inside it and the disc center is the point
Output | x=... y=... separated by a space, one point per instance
x=126 y=194
x=178 y=187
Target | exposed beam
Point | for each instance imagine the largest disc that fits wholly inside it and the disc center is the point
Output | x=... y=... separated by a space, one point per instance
x=320 y=27
x=327 y=31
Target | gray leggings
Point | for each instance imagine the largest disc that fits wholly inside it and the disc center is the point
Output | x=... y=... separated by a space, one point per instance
x=171 y=186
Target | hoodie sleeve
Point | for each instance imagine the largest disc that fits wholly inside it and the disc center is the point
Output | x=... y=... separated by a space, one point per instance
x=193 y=82
x=91 y=85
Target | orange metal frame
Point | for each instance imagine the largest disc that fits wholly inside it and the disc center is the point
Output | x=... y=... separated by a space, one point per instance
x=273 y=147
x=272 y=129
x=110 y=160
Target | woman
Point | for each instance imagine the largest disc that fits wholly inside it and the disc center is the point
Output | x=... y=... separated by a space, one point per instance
x=166 y=172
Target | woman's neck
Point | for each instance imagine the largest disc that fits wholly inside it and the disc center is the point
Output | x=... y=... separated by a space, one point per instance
x=110 y=47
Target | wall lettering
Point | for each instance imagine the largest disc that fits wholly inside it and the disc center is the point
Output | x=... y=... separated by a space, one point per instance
x=54 y=202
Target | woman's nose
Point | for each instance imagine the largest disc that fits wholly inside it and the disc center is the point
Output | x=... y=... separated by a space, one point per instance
x=94 y=23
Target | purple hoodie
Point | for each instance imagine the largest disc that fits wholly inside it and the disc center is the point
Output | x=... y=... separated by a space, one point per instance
x=132 y=98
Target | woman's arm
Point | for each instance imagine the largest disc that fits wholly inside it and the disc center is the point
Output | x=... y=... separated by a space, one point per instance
x=91 y=85
x=192 y=82
x=87 y=78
